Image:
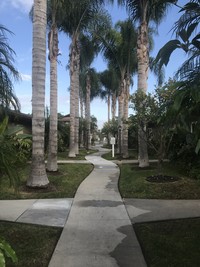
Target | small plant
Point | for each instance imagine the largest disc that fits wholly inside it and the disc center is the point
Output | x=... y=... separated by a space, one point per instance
x=6 y=251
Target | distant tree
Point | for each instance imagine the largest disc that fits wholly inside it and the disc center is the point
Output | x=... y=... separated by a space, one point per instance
x=110 y=129
x=110 y=86
x=90 y=87
x=119 y=50
x=94 y=129
x=89 y=48
x=78 y=15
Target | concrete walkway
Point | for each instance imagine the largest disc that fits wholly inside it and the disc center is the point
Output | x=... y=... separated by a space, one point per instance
x=97 y=223
x=98 y=232
x=50 y=212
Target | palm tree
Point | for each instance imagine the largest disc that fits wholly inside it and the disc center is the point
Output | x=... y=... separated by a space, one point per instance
x=144 y=12
x=119 y=50
x=89 y=79
x=110 y=83
x=53 y=53
x=54 y=8
x=8 y=72
x=38 y=176
x=75 y=20
x=90 y=87
x=78 y=14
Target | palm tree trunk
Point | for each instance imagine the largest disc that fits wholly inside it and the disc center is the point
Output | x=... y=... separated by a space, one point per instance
x=81 y=110
x=114 y=100
x=108 y=107
x=53 y=133
x=38 y=176
x=77 y=100
x=125 y=119
x=88 y=90
x=120 y=117
x=73 y=65
x=143 y=66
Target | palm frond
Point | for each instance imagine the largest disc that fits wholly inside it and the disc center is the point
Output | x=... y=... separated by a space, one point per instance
x=190 y=68
x=147 y=10
x=191 y=15
x=165 y=52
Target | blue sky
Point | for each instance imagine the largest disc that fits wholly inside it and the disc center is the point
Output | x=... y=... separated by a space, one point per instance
x=14 y=16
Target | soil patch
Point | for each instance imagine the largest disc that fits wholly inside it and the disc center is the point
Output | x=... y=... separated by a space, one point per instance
x=49 y=188
x=162 y=178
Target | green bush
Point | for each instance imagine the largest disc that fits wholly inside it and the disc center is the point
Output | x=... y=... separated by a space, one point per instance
x=23 y=144
x=10 y=158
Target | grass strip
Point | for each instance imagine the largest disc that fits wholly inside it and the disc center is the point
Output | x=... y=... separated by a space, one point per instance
x=81 y=156
x=33 y=244
x=173 y=243
x=132 y=155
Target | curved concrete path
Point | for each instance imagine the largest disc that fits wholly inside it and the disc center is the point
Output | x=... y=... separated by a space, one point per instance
x=98 y=232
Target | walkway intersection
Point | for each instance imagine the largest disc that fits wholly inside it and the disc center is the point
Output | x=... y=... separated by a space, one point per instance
x=97 y=223
x=98 y=231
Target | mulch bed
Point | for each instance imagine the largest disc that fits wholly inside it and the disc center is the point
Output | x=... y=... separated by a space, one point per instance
x=162 y=178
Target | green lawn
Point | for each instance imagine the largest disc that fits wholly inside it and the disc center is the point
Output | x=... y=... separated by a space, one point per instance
x=33 y=244
x=170 y=243
x=63 y=184
x=133 y=183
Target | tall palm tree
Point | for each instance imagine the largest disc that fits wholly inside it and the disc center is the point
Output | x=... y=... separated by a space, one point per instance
x=54 y=6
x=78 y=14
x=92 y=91
x=144 y=12
x=90 y=87
x=88 y=52
x=74 y=14
x=8 y=72
x=119 y=50
x=54 y=13
x=38 y=176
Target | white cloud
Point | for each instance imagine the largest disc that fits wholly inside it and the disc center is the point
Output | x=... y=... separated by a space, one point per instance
x=25 y=77
x=26 y=104
x=23 y=5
